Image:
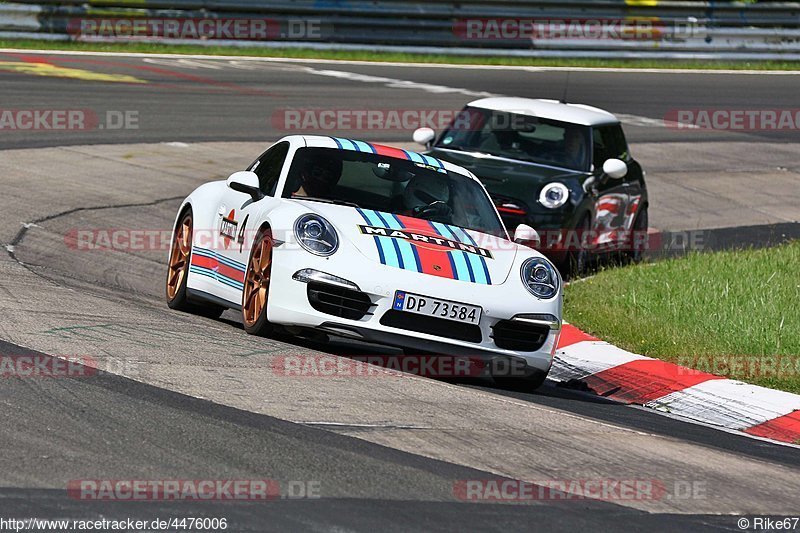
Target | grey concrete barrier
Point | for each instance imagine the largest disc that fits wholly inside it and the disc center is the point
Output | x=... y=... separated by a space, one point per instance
x=568 y=28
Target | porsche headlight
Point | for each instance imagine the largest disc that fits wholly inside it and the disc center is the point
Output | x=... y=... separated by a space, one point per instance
x=540 y=277
x=316 y=235
x=554 y=195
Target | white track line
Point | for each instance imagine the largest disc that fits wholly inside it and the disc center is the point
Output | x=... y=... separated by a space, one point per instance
x=411 y=64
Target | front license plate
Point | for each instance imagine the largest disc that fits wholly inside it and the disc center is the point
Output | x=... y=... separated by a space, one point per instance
x=425 y=305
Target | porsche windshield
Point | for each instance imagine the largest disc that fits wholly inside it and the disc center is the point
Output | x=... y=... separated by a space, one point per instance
x=520 y=137
x=391 y=185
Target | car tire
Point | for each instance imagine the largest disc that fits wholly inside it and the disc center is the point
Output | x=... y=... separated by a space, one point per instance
x=180 y=256
x=521 y=384
x=640 y=224
x=255 y=296
x=578 y=260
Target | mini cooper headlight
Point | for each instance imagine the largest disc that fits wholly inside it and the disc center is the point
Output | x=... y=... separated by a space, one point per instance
x=540 y=277
x=316 y=235
x=554 y=195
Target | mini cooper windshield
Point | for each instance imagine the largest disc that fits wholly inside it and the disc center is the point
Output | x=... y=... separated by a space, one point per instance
x=519 y=137
x=391 y=185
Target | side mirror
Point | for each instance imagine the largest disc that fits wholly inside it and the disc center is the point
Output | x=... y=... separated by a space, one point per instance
x=245 y=182
x=527 y=236
x=424 y=136
x=615 y=168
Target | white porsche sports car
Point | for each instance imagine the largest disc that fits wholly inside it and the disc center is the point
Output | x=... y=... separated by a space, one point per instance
x=369 y=242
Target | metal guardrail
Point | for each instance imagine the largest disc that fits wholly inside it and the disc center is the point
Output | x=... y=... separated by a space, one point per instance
x=765 y=30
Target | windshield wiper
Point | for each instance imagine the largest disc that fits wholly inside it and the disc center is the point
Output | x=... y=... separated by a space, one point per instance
x=325 y=200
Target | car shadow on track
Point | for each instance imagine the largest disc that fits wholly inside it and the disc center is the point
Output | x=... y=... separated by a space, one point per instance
x=387 y=357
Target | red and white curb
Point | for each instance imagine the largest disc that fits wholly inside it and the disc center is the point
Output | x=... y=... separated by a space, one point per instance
x=630 y=378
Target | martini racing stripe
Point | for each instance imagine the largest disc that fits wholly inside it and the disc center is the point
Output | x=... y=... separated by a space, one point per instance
x=213 y=265
x=389 y=254
x=433 y=161
x=420 y=255
x=361 y=146
x=460 y=261
x=478 y=263
x=236 y=265
x=409 y=252
x=356 y=146
x=433 y=261
x=415 y=157
x=344 y=144
x=388 y=151
x=402 y=261
x=216 y=276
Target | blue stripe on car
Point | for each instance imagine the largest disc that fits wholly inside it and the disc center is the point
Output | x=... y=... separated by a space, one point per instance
x=463 y=268
x=409 y=251
x=363 y=147
x=225 y=280
x=219 y=257
x=478 y=262
x=386 y=250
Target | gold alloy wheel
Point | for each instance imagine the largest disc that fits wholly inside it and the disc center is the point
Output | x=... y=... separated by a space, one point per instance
x=179 y=256
x=256 y=282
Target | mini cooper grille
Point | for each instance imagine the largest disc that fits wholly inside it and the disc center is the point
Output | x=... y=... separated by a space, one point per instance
x=432 y=326
x=339 y=301
x=519 y=336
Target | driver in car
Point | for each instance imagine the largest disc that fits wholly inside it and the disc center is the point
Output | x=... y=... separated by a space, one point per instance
x=318 y=176
x=574 y=148
x=428 y=198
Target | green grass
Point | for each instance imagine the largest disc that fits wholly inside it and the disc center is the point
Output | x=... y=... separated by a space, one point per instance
x=395 y=57
x=733 y=313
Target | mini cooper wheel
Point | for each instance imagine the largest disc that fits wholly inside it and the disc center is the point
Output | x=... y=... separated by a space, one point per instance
x=180 y=257
x=578 y=260
x=256 y=286
x=638 y=242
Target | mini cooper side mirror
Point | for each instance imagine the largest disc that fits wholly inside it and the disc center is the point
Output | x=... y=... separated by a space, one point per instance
x=245 y=182
x=424 y=136
x=527 y=236
x=615 y=168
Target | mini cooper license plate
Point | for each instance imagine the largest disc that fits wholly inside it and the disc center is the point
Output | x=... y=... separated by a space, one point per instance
x=436 y=307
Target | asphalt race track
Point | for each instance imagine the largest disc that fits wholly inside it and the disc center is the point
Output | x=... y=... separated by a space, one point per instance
x=183 y=397
x=235 y=100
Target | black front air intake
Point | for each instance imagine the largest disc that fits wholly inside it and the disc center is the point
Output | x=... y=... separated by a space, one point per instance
x=339 y=301
x=519 y=336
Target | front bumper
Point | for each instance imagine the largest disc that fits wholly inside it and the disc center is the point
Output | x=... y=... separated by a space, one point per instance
x=502 y=304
